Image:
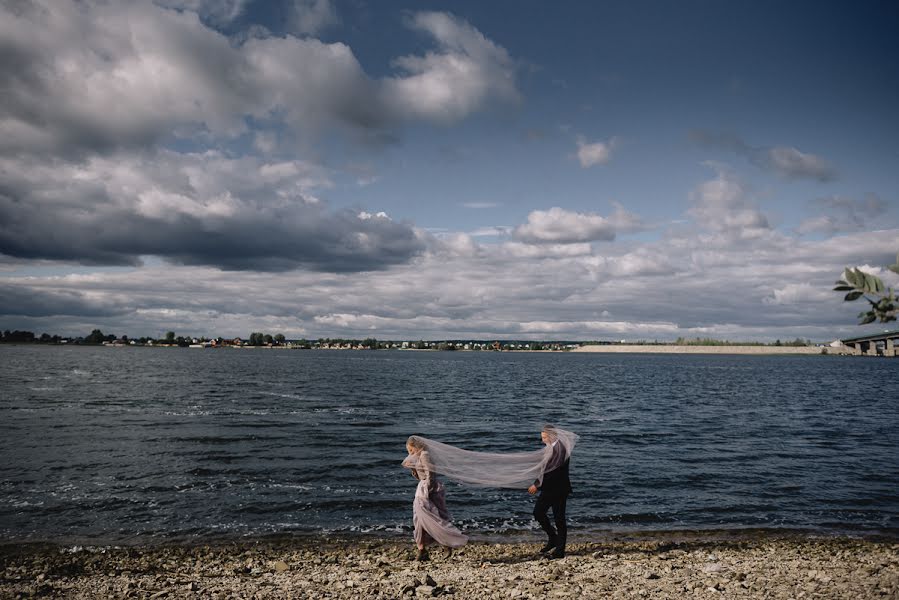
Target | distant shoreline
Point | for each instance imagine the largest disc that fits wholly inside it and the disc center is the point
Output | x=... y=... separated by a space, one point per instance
x=759 y=350
x=673 y=349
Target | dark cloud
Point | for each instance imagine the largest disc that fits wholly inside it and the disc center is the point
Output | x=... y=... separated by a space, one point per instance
x=207 y=209
x=843 y=214
x=868 y=207
x=785 y=161
x=27 y=301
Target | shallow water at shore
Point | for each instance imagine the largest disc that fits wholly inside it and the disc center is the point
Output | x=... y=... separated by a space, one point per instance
x=111 y=445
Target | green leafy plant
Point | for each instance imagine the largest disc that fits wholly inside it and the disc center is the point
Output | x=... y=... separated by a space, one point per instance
x=883 y=301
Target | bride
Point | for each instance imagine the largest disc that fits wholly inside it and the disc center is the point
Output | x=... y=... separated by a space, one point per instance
x=430 y=518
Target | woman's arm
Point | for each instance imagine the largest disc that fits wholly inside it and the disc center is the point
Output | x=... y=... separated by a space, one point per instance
x=424 y=463
x=411 y=462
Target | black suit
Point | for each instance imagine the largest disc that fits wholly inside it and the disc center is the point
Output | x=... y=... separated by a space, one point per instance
x=554 y=493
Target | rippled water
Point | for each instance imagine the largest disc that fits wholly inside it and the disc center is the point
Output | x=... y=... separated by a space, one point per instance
x=111 y=445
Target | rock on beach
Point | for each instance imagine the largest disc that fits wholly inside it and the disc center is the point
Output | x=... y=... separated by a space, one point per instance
x=695 y=565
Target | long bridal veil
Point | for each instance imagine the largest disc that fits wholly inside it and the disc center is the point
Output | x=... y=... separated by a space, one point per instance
x=494 y=469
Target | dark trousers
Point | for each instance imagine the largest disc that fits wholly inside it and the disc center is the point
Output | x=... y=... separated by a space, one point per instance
x=557 y=503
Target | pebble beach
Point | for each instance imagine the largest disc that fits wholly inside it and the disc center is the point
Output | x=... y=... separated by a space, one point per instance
x=742 y=564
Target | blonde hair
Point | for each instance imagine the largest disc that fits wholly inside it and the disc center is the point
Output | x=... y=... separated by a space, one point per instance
x=416 y=442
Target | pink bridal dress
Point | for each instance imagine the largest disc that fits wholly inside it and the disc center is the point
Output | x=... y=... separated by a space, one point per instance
x=430 y=517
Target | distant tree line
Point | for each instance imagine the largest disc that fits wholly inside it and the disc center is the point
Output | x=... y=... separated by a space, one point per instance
x=96 y=336
x=264 y=339
x=27 y=337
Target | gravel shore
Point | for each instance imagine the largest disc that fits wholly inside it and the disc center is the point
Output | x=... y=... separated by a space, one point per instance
x=675 y=565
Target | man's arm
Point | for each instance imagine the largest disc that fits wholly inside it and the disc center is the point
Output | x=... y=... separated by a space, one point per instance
x=555 y=461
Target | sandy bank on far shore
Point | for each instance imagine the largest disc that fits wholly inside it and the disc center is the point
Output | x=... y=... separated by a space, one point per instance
x=672 y=349
x=697 y=565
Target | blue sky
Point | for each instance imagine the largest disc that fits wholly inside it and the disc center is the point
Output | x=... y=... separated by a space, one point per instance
x=619 y=170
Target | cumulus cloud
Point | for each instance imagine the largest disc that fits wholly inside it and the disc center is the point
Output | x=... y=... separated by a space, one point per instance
x=640 y=262
x=464 y=72
x=796 y=293
x=308 y=17
x=786 y=161
x=23 y=299
x=560 y=226
x=87 y=77
x=455 y=245
x=723 y=205
x=590 y=154
x=202 y=208
x=567 y=250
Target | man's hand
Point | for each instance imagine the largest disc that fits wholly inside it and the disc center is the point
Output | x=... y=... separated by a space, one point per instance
x=532 y=490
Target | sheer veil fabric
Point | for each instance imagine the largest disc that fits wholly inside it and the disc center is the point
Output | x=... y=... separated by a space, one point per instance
x=489 y=469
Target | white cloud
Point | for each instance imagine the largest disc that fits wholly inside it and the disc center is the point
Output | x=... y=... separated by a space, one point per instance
x=639 y=262
x=723 y=205
x=797 y=294
x=567 y=250
x=467 y=70
x=132 y=74
x=594 y=153
x=308 y=17
x=365 y=216
x=559 y=226
x=456 y=244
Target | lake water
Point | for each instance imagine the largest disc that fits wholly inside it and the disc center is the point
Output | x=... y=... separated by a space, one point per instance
x=124 y=445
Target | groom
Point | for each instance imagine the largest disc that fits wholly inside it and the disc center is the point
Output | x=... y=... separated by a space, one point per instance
x=554 y=491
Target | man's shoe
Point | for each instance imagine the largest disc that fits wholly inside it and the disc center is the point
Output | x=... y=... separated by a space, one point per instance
x=557 y=553
x=548 y=546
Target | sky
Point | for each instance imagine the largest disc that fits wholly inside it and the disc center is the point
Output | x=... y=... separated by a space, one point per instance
x=446 y=170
